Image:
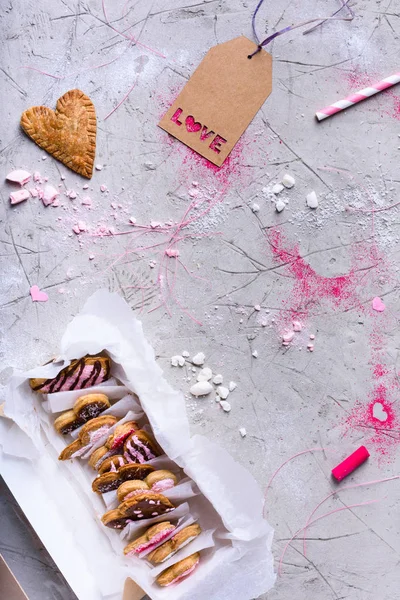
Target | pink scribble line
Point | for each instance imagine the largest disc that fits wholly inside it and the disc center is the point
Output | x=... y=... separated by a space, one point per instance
x=124 y=98
x=332 y=512
x=342 y=489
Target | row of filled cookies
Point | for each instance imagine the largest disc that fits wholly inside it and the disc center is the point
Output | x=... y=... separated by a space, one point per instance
x=120 y=450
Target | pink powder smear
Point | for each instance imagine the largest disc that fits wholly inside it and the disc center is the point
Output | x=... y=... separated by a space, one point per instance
x=37 y=295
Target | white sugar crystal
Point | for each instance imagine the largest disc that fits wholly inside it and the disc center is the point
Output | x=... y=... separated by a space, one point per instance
x=186 y=354
x=225 y=405
x=201 y=388
x=199 y=359
x=312 y=200
x=255 y=207
x=243 y=432
x=278 y=187
x=222 y=392
x=177 y=361
x=280 y=205
x=218 y=379
x=204 y=375
x=255 y=353
x=232 y=386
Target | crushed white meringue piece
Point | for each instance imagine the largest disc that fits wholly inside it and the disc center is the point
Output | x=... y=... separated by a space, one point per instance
x=288 y=181
x=201 y=388
x=205 y=374
x=232 y=386
x=222 y=392
x=186 y=354
x=225 y=405
x=255 y=207
x=280 y=205
x=218 y=379
x=177 y=361
x=255 y=353
x=278 y=187
x=199 y=359
x=243 y=432
x=288 y=337
x=312 y=200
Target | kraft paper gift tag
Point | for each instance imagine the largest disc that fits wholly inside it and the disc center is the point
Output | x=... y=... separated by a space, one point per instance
x=220 y=99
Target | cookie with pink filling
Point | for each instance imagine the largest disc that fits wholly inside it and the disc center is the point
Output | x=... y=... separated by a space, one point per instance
x=113 y=445
x=128 y=489
x=90 y=433
x=179 y=571
x=140 y=448
x=111 y=481
x=176 y=543
x=161 y=481
x=153 y=536
x=80 y=374
x=112 y=464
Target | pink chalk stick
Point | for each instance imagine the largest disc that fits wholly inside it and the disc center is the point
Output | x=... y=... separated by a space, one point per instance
x=350 y=463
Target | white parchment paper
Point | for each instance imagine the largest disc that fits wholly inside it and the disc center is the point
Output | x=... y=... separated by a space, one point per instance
x=239 y=566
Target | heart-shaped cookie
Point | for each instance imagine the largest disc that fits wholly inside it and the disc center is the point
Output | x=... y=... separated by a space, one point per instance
x=191 y=124
x=68 y=133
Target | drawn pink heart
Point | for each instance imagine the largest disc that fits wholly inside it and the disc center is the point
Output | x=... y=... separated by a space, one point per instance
x=37 y=295
x=378 y=305
x=191 y=124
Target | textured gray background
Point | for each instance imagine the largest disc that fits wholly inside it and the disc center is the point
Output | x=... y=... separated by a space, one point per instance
x=288 y=400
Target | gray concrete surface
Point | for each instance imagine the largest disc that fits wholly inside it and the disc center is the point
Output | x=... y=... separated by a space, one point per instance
x=289 y=399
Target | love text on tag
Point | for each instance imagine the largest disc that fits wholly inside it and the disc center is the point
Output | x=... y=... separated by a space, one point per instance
x=220 y=99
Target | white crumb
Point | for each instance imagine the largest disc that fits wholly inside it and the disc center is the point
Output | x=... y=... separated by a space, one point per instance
x=312 y=200
x=222 y=392
x=186 y=354
x=255 y=353
x=204 y=375
x=277 y=188
x=255 y=207
x=232 y=386
x=218 y=379
x=280 y=205
x=199 y=359
x=243 y=432
x=177 y=361
x=225 y=405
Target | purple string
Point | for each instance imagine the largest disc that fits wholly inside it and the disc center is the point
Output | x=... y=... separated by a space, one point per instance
x=291 y=27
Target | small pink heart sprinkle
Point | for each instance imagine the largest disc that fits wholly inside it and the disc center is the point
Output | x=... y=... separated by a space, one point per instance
x=37 y=295
x=378 y=305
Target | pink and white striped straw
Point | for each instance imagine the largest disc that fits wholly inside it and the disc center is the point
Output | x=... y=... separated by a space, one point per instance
x=324 y=113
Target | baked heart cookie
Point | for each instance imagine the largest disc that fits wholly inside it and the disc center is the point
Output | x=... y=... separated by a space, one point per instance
x=179 y=571
x=172 y=546
x=90 y=433
x=153 y=536
x=111 y=481
x=85 y=408
x=68 y=133
x=80 y=374
x=139 y=448
x=161 y=481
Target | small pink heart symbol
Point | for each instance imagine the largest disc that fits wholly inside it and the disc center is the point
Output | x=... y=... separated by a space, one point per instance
x=37 y=295
x=192 y=125
x=378 y=305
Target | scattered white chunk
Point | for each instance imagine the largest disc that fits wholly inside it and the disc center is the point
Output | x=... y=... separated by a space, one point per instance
x=232 y=386
x=218 y=379
x=278 y=187
x=186 y=354
x=201 y=388
x=19 y=196
x=99 y=167
x=312 y=337
x=177 y=361
x=49 y=195
x=19 y=176
x=205 y=374
x=288 y=181
x=255 y=353
x=255 y=207
x=312 y=200
x=225 y=405
x=222 y=392
x=243 y=432
x=280 y=205
x=257 y=307
x=132 y=220
x=199 y=359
